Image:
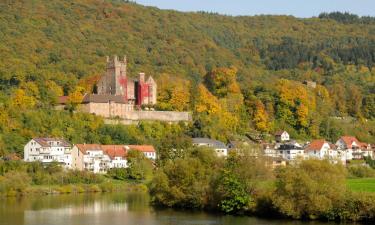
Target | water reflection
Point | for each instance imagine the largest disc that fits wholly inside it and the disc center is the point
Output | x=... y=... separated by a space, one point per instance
x=110 y=209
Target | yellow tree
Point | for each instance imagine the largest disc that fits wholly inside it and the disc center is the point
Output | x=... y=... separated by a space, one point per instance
x=21 y=100
x=261 y=117
x=222 y=81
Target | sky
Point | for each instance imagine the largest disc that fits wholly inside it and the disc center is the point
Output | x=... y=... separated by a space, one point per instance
x=298 y=8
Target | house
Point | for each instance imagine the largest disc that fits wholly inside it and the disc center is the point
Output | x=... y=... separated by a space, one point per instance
x=290 y=151
x=101 y=158
x=282 y=136
x=270 y=150
x=48 y=150
x=148 y=150
x=321 y=149
x=90 y=157
x=351 y=146
x=219 y=147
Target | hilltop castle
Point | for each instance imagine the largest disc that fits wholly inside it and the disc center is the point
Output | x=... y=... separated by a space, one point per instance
x=118 y=96
x=115 y=82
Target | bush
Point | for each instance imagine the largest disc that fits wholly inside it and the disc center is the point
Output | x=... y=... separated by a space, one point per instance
x=361 y=172
x=309 y=189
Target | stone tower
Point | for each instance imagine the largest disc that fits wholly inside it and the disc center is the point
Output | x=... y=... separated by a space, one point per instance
x=114 y=81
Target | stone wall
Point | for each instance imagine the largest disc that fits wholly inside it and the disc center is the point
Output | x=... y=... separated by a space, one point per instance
x=167 y=116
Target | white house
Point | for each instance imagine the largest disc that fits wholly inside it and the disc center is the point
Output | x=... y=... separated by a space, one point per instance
x=290 y=151
x=282 y=136
x=351 y=146
x=321 y=149
x=219 y=147
x=100 y=158
x=48 y=150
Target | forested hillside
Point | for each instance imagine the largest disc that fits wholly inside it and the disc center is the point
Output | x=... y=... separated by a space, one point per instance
x=246 y=73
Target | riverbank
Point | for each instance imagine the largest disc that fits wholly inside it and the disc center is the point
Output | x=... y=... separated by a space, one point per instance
x=110 y=186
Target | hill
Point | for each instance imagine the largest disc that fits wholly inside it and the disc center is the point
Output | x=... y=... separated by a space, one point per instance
x=49 y=48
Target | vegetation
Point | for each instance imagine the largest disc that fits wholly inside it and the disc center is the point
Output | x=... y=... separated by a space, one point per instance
x=19 y=178
x=241 y=184
x=236 y=74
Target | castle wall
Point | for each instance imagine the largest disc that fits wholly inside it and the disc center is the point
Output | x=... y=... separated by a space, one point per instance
x=167 y=116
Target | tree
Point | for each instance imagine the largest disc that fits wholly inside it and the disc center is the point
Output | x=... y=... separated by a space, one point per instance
x=309 y=189
x=139 y=167
x=261 y=117
x=222 y=81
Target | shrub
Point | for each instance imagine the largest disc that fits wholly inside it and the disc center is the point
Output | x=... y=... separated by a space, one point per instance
x=361 y=171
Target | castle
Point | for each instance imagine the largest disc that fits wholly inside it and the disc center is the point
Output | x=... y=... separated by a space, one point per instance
x=118 y=96
x=116 y=82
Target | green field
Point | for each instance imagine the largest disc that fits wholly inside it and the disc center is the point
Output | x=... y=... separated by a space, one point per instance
x=362 y=184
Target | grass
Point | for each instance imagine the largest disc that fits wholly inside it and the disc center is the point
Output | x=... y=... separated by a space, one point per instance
x=362 y=184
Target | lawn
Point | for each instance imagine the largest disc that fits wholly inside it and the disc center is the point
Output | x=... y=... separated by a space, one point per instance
x=362 y=184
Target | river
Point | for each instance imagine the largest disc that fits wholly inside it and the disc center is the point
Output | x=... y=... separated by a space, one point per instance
x=112 y=209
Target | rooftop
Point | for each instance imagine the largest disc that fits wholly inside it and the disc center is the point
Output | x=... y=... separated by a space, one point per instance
x=210 y=142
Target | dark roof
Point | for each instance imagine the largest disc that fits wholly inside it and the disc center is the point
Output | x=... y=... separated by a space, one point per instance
x=280 y=132
x=103 y=98
x=45 y=142
x=210 y=142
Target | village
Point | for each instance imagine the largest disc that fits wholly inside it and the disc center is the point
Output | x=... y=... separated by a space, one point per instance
x=99 y=158
x=119 y=96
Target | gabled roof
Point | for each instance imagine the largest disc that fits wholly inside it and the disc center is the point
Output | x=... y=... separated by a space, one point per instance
x=316 y=145
x=280 y=132
x=46 y=142
x=141 y=148
x=114 y=150
x=89 y=147
x=211 y=142
x=348 y=140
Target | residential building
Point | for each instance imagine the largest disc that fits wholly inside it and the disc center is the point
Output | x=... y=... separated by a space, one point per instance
x=290 y=151
x=219 y=147
x=100 y=158
x=90 y=157
x=321 y=149
x=282 y=136
x=351 y=146
x=49 y=150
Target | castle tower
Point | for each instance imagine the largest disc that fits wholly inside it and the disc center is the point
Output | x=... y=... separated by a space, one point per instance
x=114 y=81
x=152 y=93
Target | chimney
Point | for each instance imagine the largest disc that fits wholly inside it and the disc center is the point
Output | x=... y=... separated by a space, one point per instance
x=142 y=77
x=107 y=57
x=115 y=58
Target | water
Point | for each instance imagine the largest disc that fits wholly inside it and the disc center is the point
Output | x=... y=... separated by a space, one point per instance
x=112 y=209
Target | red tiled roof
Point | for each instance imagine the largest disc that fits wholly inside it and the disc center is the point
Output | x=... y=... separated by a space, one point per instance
x=316 y=145
x=142 y=148
x=348 y=140
x=62 y=99
x=114 y=150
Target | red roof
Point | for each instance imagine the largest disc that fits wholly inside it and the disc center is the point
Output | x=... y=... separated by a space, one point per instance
x=316 y=145
x=114 y=150
x=142 y=148
x=62 y=99
x=348 y=140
